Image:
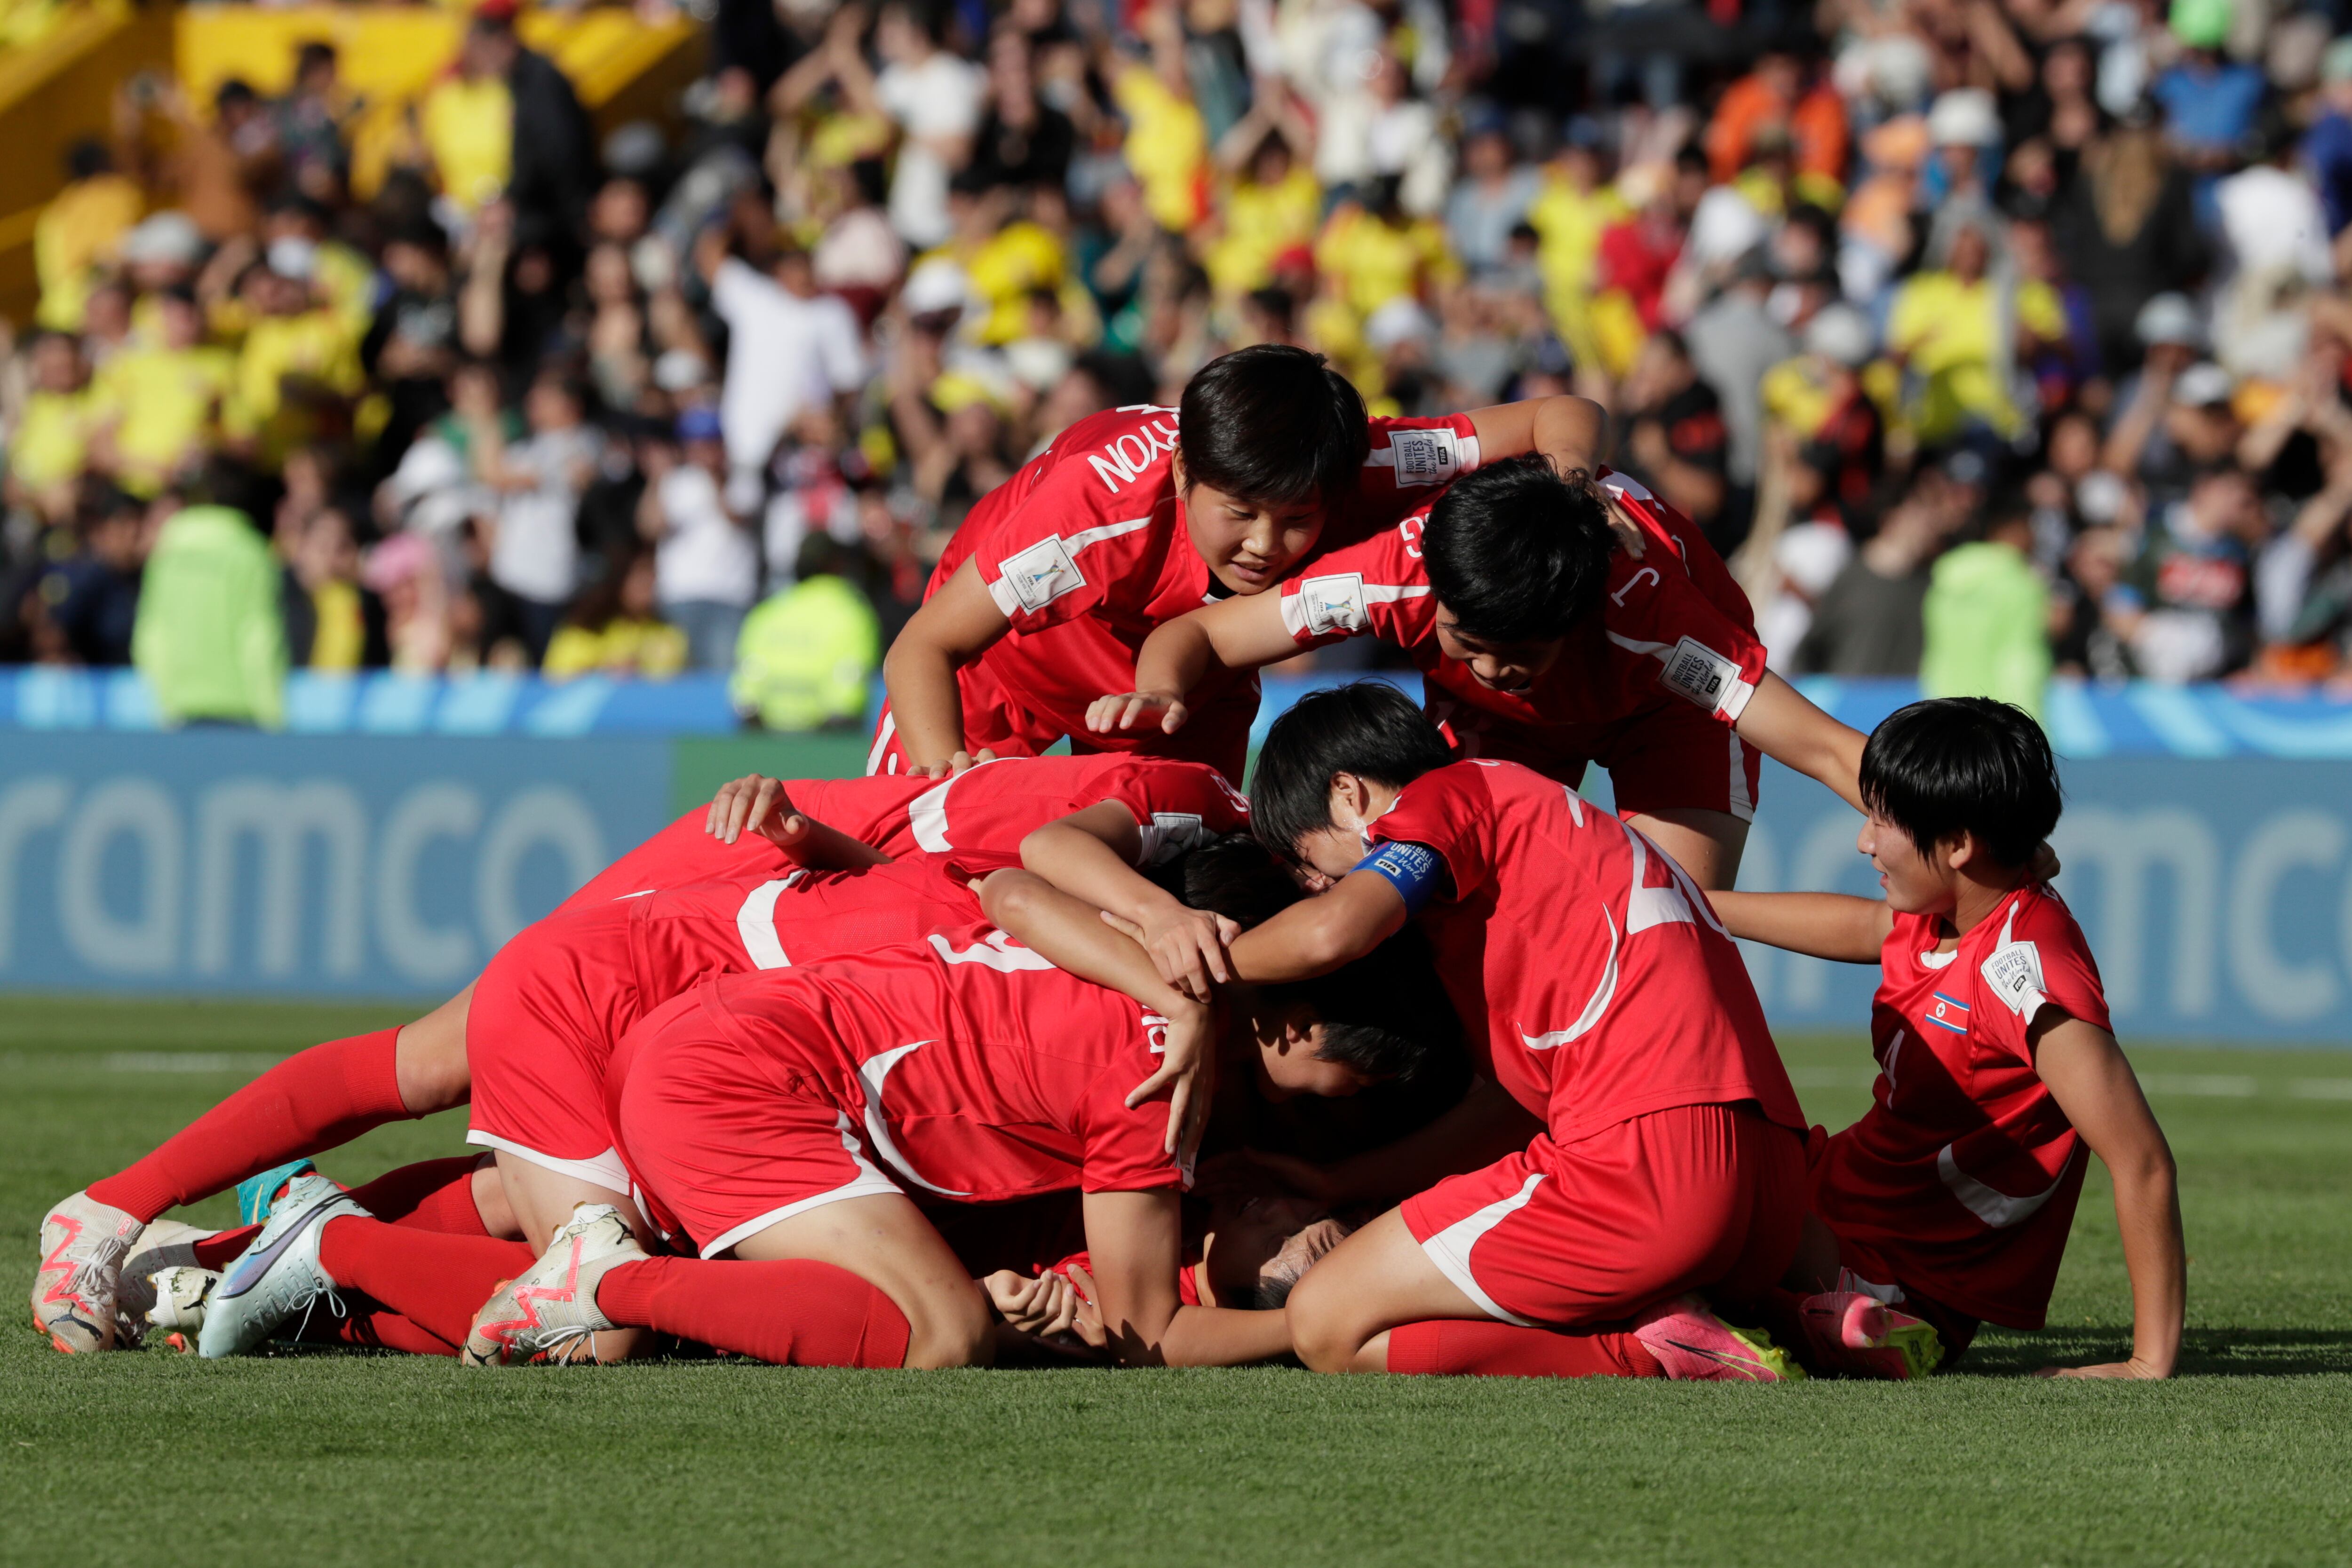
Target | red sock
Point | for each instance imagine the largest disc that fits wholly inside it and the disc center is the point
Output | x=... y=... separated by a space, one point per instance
x=368 y=1326
x=314 y=1100
x=790 y=1312
x=1459 y=1345
x=217 y=1252
x=431 y=1195
x=436 y=1281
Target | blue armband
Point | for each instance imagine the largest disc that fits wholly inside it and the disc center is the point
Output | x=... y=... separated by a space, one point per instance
x=1417 y=872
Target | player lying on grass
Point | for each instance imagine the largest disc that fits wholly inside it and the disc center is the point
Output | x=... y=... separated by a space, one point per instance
x=1132 y=518
x=332 y=1093
x=1635 y=1142
x=554 y=1004
x=1541 y=640
x=1955 y=1192
x=757 y=1114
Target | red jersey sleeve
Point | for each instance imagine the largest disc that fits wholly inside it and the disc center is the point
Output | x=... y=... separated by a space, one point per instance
x=1122 y=1147
x=1690 y=649
x=1176 y=805
x=1071 y=541
x=1407 y=462
x=1377 y=588
x=2040 y=959
x=1447 y=811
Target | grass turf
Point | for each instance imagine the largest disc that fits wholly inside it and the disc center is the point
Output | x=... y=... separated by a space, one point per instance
x=345 y=1458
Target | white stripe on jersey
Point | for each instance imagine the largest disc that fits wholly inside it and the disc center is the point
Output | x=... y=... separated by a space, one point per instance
x=1450 y=1249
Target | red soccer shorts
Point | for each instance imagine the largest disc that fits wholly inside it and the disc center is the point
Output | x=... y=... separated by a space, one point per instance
x=1562 y=1236
x=1668 y=757
x=719 y=1149
x=538 y=1038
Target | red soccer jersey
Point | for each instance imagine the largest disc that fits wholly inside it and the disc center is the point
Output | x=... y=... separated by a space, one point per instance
x=988 y=809
x=1963 y=1174
x=1674 y=628
x=979 y=1071
x=1592 y=977
x=1084 y=550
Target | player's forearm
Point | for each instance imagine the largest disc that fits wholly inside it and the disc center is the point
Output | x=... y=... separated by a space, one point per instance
x=1565 y=429
x=2148 y=1217
x=1833 y=926
x=1221 y=1336
x=1315 y=935
x=1177 y=657
x=1088 y=869
x=1070 y=934
x=925 y=700
x=1487 y=1125
x=1782 y=724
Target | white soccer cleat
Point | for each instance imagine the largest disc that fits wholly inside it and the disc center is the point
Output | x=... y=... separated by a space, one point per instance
x=178 y=1296
x=166 y=1245
x=549 y=1313
x=83 y=1244
x=279 y=1274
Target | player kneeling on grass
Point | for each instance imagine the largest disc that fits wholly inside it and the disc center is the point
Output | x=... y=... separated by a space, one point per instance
x=1598 y=992
x=1954 y=1194
x=776 y=1122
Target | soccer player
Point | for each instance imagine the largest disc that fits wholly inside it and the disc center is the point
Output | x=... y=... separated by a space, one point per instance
x=1542 y=642
x=1998 y=1065
x=1599 y=992
x=334 y=1092
x=1132 y=518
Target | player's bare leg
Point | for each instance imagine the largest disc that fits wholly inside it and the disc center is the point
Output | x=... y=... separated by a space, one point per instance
x=430 y=1058
x=541 y=1201
x=1707 y=844
x=884 y=1240
x=1375 y=1280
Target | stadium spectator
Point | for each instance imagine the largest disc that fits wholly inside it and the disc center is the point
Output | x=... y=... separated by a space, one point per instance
x=209 y=637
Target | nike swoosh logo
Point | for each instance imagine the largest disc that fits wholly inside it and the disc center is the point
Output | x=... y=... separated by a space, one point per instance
x=254 y=1265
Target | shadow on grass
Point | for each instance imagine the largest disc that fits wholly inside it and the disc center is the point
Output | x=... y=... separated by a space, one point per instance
x=2204 y=1352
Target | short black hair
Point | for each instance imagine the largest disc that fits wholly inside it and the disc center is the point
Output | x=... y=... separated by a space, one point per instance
x=1953 y=765
x=1234 y=877
x=1385 y=1014
x=1272 y=424
x=1369 y=729
x=1516 y=553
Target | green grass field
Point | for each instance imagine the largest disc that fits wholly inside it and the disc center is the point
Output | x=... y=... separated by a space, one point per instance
x=343 y=1458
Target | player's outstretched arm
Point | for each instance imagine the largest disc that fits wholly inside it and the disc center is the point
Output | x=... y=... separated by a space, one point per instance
x=758 y=804
x=1241 y=633
x=1783 y=725
x=1135 y=1243
x=1565 y=429
x=955 y=626
x=2094 y=1085
x=1072 y=934
x=1824 y=924
x=1091 y=855
x=1315 y=935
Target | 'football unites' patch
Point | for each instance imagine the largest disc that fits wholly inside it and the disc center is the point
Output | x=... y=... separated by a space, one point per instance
x=1697 y=673
x=1425 y=456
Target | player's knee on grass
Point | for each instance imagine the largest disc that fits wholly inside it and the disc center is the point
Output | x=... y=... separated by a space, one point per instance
x=1329 y=1326
x=430 y=1058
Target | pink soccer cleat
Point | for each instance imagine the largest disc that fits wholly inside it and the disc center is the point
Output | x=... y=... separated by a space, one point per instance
x=1855 y=1335
x=83 y=1244
x=1694 y=1345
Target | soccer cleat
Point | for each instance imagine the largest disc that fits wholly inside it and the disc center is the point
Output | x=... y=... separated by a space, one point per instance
x=548 y=1313
x=257 y=1193
x=1861 y=1336
x=279 y=1274
x=83 y=1243
x=1694 y=1345
x=166 y=1244
x=180 y=1294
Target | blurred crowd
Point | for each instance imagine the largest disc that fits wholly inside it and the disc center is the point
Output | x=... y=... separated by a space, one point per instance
x=1985 y=337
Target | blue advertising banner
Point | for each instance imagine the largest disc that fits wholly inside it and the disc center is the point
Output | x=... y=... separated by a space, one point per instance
x=2217 y=896
x=214 y=861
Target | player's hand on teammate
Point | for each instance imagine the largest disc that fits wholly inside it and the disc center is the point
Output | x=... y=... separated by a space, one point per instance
x=1124 y=710
x=1187 y=1070
x=757 y=804
x=1187 y=946
x=960 y=762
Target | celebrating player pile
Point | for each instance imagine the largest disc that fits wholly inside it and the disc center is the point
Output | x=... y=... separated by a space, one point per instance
x=912 y=1069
